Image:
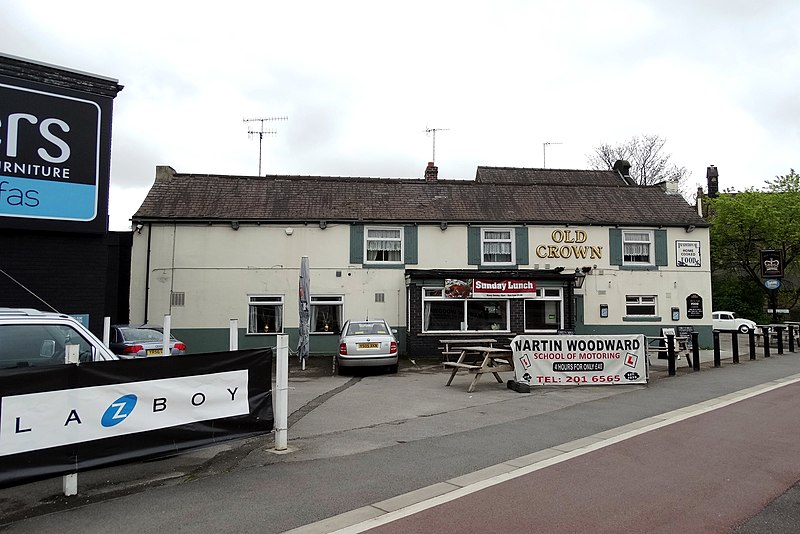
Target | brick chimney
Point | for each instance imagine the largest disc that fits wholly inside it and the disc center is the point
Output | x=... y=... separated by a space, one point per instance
x=712 y=176
x=431 y=172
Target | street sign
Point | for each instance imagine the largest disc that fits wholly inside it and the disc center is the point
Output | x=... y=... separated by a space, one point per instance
x=772 y=283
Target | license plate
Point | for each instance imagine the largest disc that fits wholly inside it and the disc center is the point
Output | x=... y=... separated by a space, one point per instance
x=154 y=352
x=367 y=345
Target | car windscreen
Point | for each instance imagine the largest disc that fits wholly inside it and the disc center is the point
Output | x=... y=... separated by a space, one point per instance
x=366 y=329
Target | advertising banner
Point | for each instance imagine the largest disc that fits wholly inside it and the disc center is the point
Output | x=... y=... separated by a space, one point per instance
x=65 y=418
x=482 y=288
x=54 y=157
x=579 y=360
x=503 y=288
x=687 y=253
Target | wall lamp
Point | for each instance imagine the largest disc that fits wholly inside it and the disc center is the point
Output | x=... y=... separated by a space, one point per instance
x=443 y=225
x=323 y=224
x=690 y=228
x=579 y=278
x=235 y=225
x=139 y=228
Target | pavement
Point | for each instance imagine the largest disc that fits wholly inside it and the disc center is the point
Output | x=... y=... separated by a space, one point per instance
x=336 y=416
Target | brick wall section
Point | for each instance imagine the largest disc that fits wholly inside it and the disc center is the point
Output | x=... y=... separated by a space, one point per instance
x=73 y=273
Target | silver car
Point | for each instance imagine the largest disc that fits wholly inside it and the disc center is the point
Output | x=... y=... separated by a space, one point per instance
x=367 y=343
x=130 y=341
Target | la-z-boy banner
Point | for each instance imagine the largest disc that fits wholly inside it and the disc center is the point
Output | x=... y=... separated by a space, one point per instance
x=55 y=147
x=579 y=360
x=59 y=418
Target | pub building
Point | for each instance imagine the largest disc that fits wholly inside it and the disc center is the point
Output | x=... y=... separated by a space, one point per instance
x=512 y=251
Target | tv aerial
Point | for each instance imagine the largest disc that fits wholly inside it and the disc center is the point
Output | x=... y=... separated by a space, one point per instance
x=544 y=151
x=261 y=132
x=433 y=131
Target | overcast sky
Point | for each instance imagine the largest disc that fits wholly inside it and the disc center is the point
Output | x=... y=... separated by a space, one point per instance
x=360 y=82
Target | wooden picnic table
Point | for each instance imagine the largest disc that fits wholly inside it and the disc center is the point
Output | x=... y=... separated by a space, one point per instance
x=492 y=360
x=450 y=345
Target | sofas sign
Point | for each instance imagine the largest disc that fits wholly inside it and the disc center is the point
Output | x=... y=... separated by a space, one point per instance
x=53 y=157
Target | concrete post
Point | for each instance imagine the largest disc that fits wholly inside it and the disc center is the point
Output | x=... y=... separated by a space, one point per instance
x=69 y=483
x=233 y=337
x=167 y=327
x=106 y=331
x=282 y=393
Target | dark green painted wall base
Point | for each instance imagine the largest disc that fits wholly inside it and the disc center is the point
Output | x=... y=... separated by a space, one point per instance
x=706 y=338
x=216 y=339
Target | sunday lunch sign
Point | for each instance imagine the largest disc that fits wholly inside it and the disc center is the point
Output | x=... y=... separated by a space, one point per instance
x=579 y=360
x=479 y=288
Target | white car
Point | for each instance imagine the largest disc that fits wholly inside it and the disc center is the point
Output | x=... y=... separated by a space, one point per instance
x=32 y=338
x=725 y=320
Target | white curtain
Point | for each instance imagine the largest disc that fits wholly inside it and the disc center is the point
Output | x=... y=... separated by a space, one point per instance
x=497 y=251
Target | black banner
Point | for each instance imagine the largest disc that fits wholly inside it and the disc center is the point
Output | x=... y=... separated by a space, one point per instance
x=56 y=420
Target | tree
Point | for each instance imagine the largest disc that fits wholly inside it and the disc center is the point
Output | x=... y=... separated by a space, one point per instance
x=743 y=224
x=649 y=164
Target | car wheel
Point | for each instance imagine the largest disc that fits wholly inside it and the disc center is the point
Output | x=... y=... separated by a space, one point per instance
x=744 y=329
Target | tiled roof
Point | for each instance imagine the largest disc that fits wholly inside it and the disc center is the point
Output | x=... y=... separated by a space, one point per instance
x=526 y=176
x=192 y=197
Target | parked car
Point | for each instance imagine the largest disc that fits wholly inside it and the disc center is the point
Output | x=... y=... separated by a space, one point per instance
x=367 y=343
x=131 y=341
x=33 y=338
x=725 y=320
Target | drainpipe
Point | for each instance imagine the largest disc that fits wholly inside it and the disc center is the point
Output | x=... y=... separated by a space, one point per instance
x=147 y=272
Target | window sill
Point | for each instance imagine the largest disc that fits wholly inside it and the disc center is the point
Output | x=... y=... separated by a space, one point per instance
x=642 y=318
x=384 y=265
x=638 y=267
x=263 y=333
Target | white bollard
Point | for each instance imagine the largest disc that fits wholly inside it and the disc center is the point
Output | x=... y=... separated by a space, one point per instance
x=282 y=392
x=106 y=330
x=69 y=483
x=233 y=340
x=167 y=326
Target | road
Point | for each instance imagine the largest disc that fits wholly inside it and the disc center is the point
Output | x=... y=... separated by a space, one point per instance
x=708 y=473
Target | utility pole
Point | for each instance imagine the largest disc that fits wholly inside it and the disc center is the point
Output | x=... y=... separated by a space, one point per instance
x=434 y=130
x=544 y=152
x=261 y=132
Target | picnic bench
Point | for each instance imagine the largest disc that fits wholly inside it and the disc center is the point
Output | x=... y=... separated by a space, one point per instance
x=450 y=346
x=492 y=360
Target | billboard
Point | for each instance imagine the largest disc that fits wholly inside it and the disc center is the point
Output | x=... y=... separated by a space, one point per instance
x=570 y=360
x=55 y=147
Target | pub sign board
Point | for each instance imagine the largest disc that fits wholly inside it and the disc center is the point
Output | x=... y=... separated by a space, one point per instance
x=55 y=152
x=771 y=264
